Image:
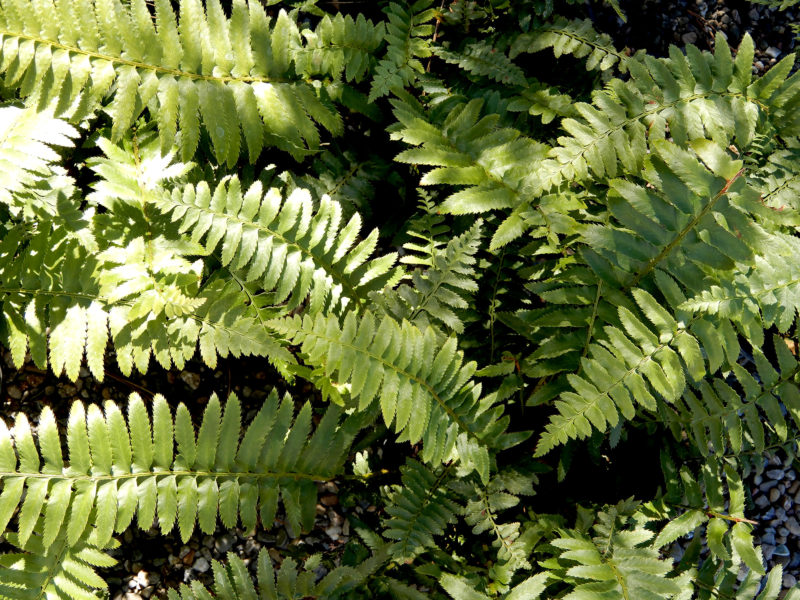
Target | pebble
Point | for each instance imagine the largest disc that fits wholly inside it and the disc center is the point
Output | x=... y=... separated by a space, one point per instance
x=774 y=494
x=224 y=543
x=689 y=38
x=793 y=526
x=772 y=52
x=201 y=565
x=191 y=379
x=789 y=580
x=14 y=392
x=775 y=474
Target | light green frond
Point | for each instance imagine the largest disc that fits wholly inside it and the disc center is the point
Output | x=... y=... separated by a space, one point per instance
x=53 y=570
x=148 y=467
x=576 y=38
x=289 y=582
x=234 y=74
x=696 y=95
x=290 y=247
x=490 y=165
x=424 y=389
x=419 y=510
x=28 y=153
x=54 y=308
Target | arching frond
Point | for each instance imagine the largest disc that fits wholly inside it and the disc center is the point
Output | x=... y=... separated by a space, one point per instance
x=423 y=387
x=481 y=59
x=406 y=32
x=243 y=75
x=232 y=580
x=442 y=287
x=53 y=569
x=695 y=96
x=576 y=38
x=156 y=467
x=291 y=248
x=419 y=510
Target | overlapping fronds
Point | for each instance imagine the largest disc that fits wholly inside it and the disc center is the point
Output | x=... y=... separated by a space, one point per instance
x=616 y=560
x=289 y=246
x=690 y=213
x=482 y=513
x=623 y=370
x=52 y=307
x=444 y=284
x=459 y=588
x=424 y=388
x=696 y=95
x=288 y=583
x=419 y=510
x=53 y=569
x=727 y=415
x=407 y=30
x=778 y=180
x=240 y=75
x=757 y=297
x=156 y=467
x=712 y=506
x=543 y=101
x=28 y=153
x=482 y=59
x=490 y=164
x=577 y=38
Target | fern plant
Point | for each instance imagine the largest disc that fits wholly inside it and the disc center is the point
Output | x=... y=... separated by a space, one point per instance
x=602 y=265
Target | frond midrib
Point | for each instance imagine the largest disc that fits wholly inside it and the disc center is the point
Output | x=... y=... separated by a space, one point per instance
x=149 y=66
x=171 y=473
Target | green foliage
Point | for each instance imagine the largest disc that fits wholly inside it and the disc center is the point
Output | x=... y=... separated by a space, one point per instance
x=615 y=277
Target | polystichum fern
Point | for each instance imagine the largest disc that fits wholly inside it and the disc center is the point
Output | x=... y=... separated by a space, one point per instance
x=510 y=271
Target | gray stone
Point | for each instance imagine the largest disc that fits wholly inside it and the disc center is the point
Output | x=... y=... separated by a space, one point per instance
x=789 y=580
x=689 y=38
x=761 y=501
x=775 y=474
x=772 y=52
x=224 y=543
x=768 y=538
x=768 y=550
x=774 y=494
x=793 y=526
x=14 y=392
x=201 y=565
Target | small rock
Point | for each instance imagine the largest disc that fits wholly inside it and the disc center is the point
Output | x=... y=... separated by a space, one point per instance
x=759 y=66
x=132 y=596
x=794 y=487
x=772 y=52
x=768 y=538
x=201 y=565
x=191 y=379
x=789 y=580
x=767 y=485
x=793 y=526
x=790 y=475
x=774 y=494
x=781 y=550
x=329 y=500
x=224 y=543
x=775 y=474
x=689 y=38
x=768 y=550
x=14 y=392
x=761 y=501
x=334 y=532
x=783 y=532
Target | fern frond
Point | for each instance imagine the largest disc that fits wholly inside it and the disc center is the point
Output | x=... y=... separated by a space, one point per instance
x=423 y=387
x=623 y=370
x=28 y=154
x=52 y=306
x=696 y=95
x=459 y=588
x=721 y=419
x=239 y=75
x=53 y=569
x=441 y=289
x=406 y=29
x=288 y=583
x=482 y=59
x=576 y=38
x=292 y=249
x=615 y=560
x=419 y=510
x=155 y=467
x=545 y=102
x=711 y=505
x=491 y=165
